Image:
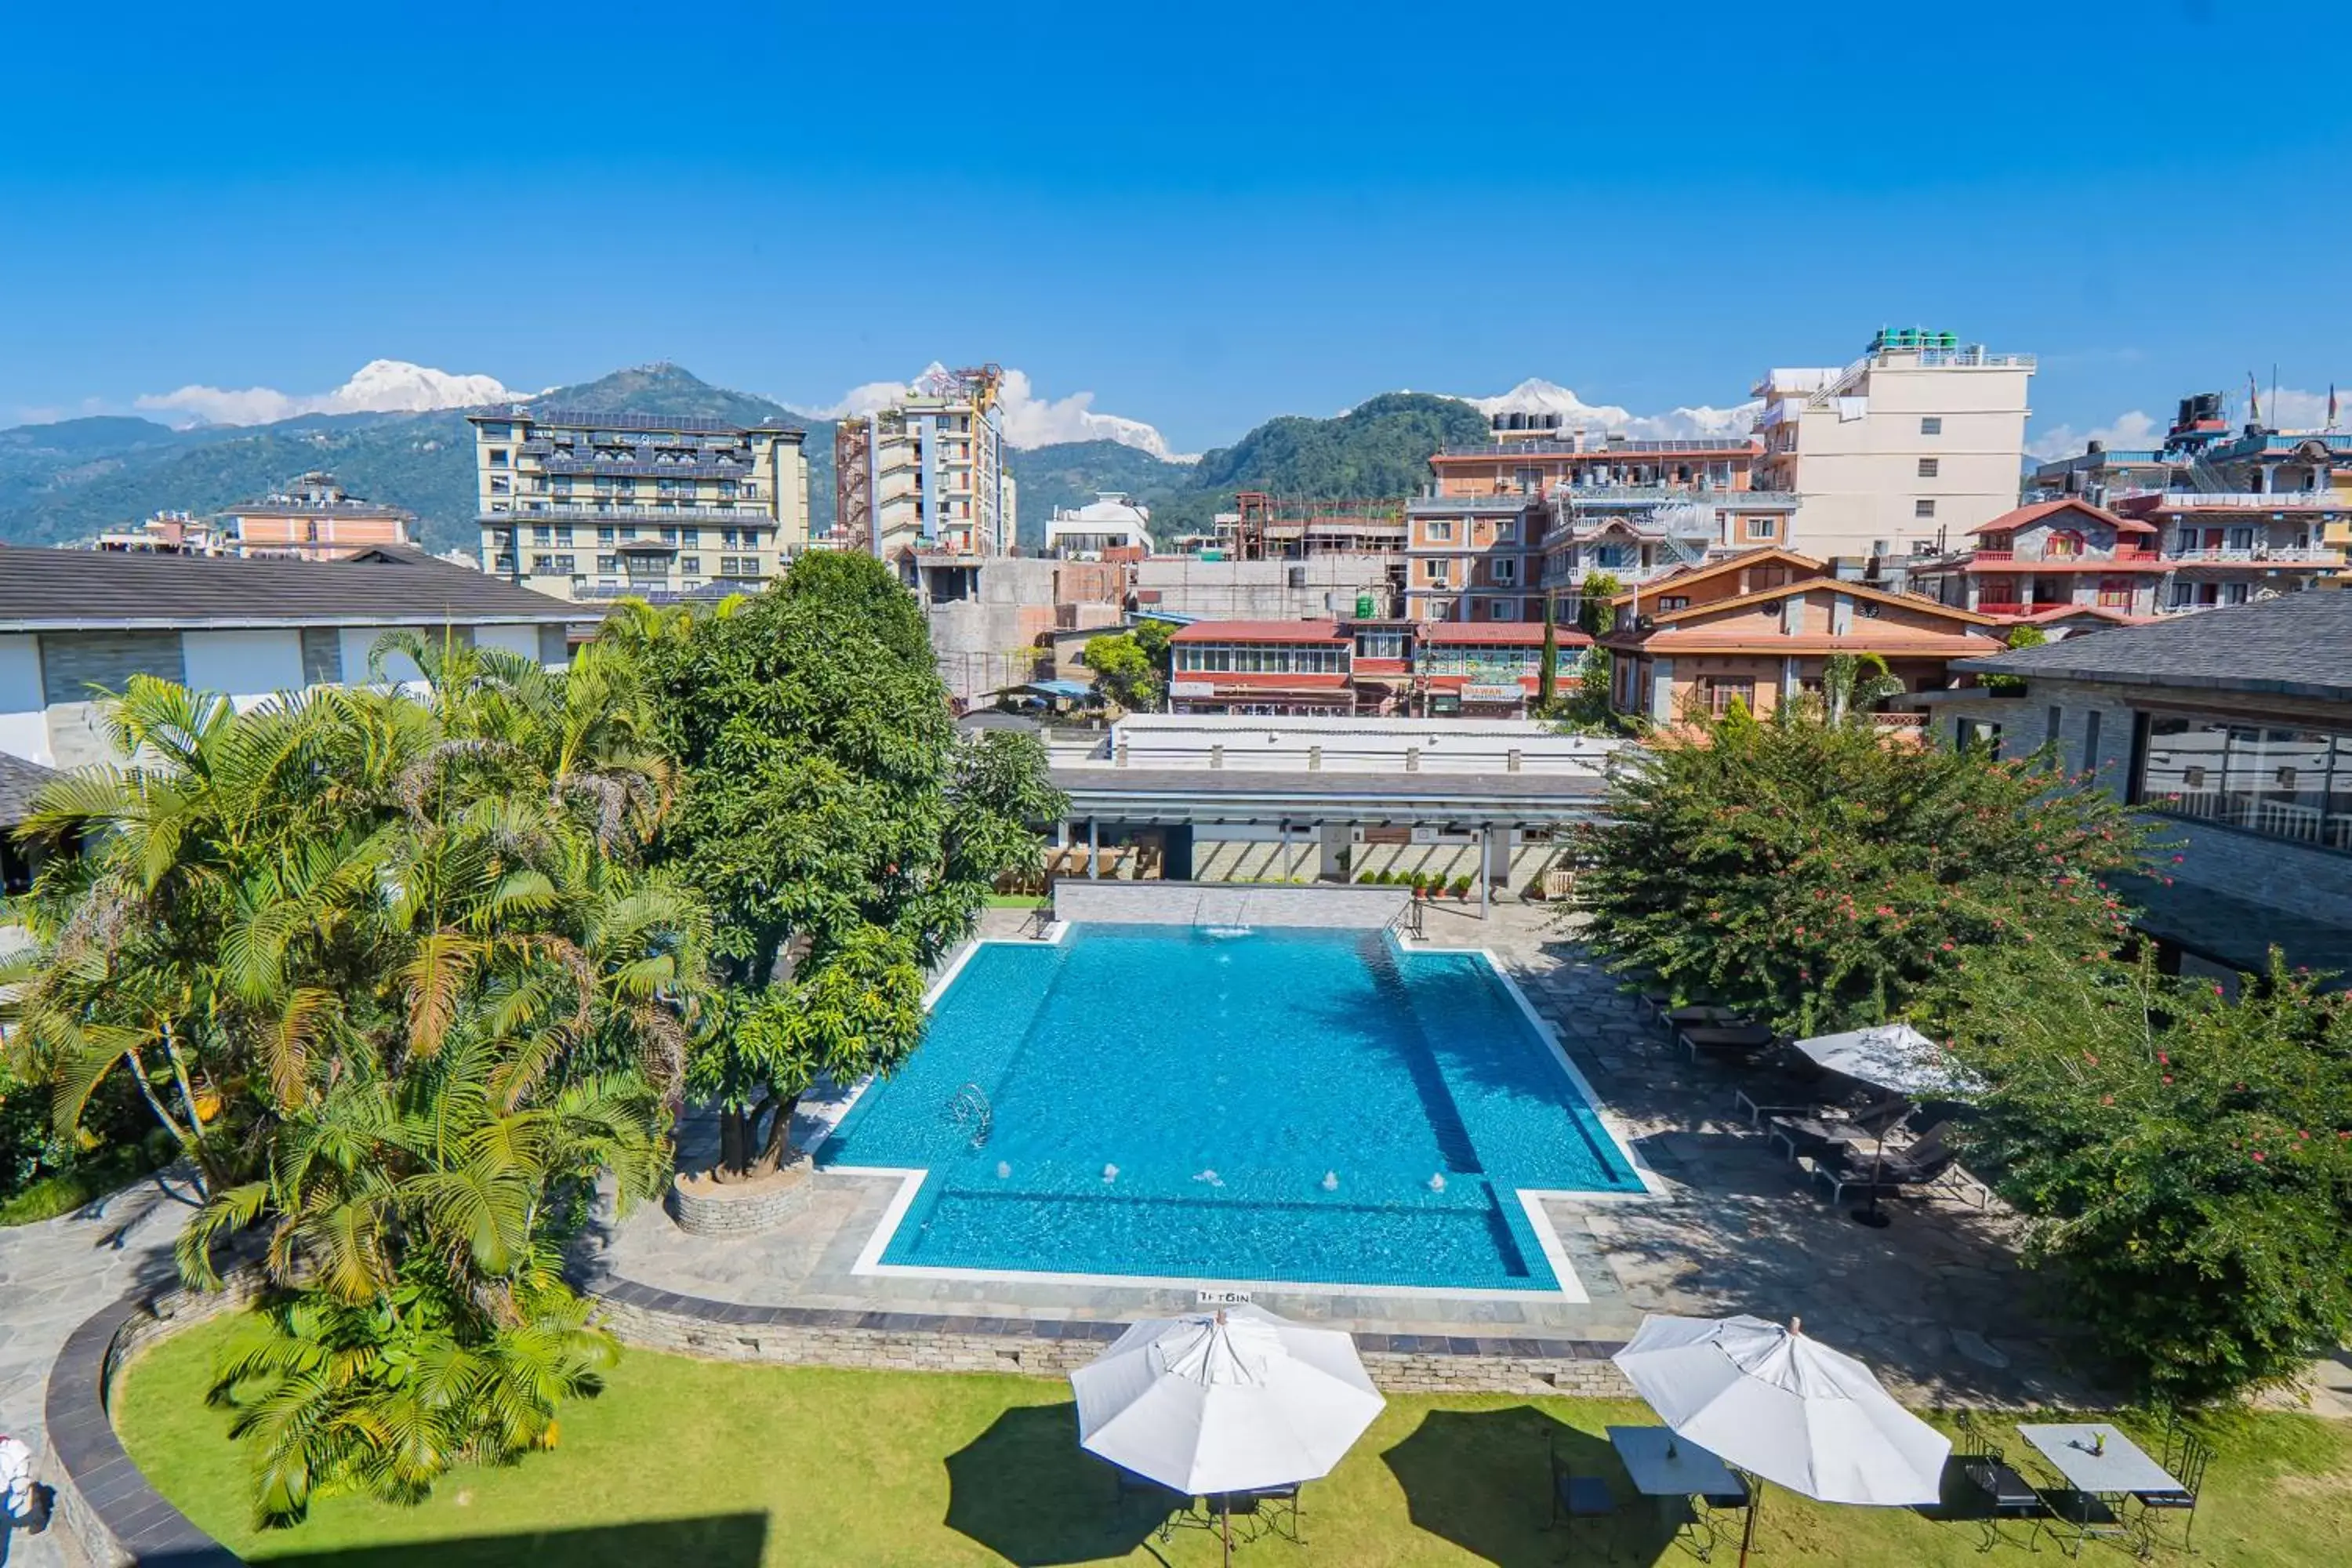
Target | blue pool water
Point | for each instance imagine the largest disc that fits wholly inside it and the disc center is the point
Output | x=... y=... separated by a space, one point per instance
x=1269 y=1105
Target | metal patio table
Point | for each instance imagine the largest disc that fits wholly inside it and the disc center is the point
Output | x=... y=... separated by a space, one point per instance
x=2100 y=1463
x=1665 y=1465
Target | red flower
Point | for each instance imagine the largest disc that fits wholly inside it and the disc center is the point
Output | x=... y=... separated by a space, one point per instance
x=2168 y=1078
x=2163 y=1058
x=2258 y=1153
x=2106 y=1100
x=2090 y=1058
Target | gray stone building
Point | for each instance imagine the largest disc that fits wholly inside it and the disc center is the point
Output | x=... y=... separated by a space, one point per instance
x=2233 y=730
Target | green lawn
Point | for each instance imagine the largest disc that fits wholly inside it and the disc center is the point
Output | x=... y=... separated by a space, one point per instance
x=709 y=1465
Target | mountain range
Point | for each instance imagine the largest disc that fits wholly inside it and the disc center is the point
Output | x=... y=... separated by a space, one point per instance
x=64 y=482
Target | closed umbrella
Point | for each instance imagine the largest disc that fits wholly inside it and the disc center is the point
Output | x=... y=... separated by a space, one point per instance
x=1235 y=1401
x=1785 y=1408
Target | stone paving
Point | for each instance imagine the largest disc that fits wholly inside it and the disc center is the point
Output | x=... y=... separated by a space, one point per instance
x=52 y=1276
x=1936 y=1302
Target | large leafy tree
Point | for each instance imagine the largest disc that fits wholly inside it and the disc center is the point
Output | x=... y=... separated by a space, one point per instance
x=1825 y=875
x=391 y=969
x=2184 y=1157
x=843 y=832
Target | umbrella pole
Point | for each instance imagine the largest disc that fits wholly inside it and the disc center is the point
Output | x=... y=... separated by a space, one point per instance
x=1228 y=1501
x=1747 y=1531
x=1869 y=1214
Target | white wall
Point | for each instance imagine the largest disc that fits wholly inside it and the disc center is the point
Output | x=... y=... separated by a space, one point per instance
x=359 y=641
x=246 y=664
x=523 y=640
x=24 y=728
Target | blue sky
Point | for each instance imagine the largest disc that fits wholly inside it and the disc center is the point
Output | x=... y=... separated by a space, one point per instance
x=1204 y=215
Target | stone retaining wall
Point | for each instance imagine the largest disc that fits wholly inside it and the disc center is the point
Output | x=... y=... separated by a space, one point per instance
x=106 y=1511
x=918 y=1341
x=1336 y=906
x=739 y=1212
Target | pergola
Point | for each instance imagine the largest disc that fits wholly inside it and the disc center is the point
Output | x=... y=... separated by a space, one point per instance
x=1324 y=805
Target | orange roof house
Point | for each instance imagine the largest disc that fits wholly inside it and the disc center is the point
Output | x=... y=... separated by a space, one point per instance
x=1770 y=645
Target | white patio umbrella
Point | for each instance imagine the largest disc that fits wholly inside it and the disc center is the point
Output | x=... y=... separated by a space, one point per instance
x=1228 y=1402
x=1894 y=1057
x=1786 y=1408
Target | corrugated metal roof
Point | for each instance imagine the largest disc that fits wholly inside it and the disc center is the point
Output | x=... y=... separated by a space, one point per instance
x=104 y=589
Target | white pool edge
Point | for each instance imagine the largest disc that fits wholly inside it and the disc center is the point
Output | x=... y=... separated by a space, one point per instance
x=1531 y=1199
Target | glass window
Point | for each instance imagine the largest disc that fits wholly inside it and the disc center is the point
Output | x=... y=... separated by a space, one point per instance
x=1931 y=425
x=1929 y=467
x=2282 y=782
x=1922 y=507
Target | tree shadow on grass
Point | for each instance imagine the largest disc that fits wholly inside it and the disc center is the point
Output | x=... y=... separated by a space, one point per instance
x=1482 y=1480
x=715 y=1541
x=1024 y=1489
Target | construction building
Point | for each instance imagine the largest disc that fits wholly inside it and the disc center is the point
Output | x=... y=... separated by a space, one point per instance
x=1269 y=528
x=602 y=506
x=1196 y=587
x=927 y=475
x=313 y=520
x=1919 y=441
x=993 y=619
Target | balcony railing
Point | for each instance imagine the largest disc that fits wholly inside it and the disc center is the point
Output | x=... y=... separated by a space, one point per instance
x=660 y=592
x=2239 y=500
x=1551 y=448
x=2261 y=555
x=632 y=509
x=2086 y=558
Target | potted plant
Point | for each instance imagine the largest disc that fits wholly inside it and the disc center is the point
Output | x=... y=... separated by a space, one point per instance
x=1462 y=886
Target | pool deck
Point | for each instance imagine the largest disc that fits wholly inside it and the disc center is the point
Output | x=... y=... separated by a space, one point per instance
x=1936 y=1302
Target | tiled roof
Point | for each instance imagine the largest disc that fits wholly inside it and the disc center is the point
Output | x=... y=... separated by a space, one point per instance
x=1259 y=631
x=1765 y=555
x=20 y=781
x=2297 y=645
x=94 y=590
x=2027 y=516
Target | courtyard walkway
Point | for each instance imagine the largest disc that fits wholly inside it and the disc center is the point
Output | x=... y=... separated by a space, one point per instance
x=52 y=1276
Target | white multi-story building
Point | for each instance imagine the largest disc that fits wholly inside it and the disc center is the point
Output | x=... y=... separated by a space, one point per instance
x=927 y=475
x=605 y=506
x=1112 y=521
x=1920 y=440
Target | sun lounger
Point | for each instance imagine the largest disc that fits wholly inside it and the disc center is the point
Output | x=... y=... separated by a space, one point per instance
x=1923 y=1164
x=1725 y=1039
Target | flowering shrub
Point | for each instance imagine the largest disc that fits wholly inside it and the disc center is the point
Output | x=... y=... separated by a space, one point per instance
x=1823 y=875
x=2184 y=1159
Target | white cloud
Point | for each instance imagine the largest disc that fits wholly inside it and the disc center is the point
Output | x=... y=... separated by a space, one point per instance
x=2288 y=408
x=1535 y=395
x=1030 y=420
x=379 y=386
x=2128 y=431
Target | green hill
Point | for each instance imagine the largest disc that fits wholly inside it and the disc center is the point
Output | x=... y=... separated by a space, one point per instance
x=66 y=482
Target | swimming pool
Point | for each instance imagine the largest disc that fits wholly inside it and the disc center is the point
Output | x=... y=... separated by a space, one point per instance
x=1271 y=1106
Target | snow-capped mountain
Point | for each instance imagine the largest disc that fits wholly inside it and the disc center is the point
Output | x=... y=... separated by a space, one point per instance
x=379 y=386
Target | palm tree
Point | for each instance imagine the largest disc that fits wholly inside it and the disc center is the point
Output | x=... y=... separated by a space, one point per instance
x=390 y=966
x=1853 y=685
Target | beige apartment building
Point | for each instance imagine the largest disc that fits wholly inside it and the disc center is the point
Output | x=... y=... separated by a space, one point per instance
x=605 y=506
x=313 y=520
x=928 y=476
x=1915 y=445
